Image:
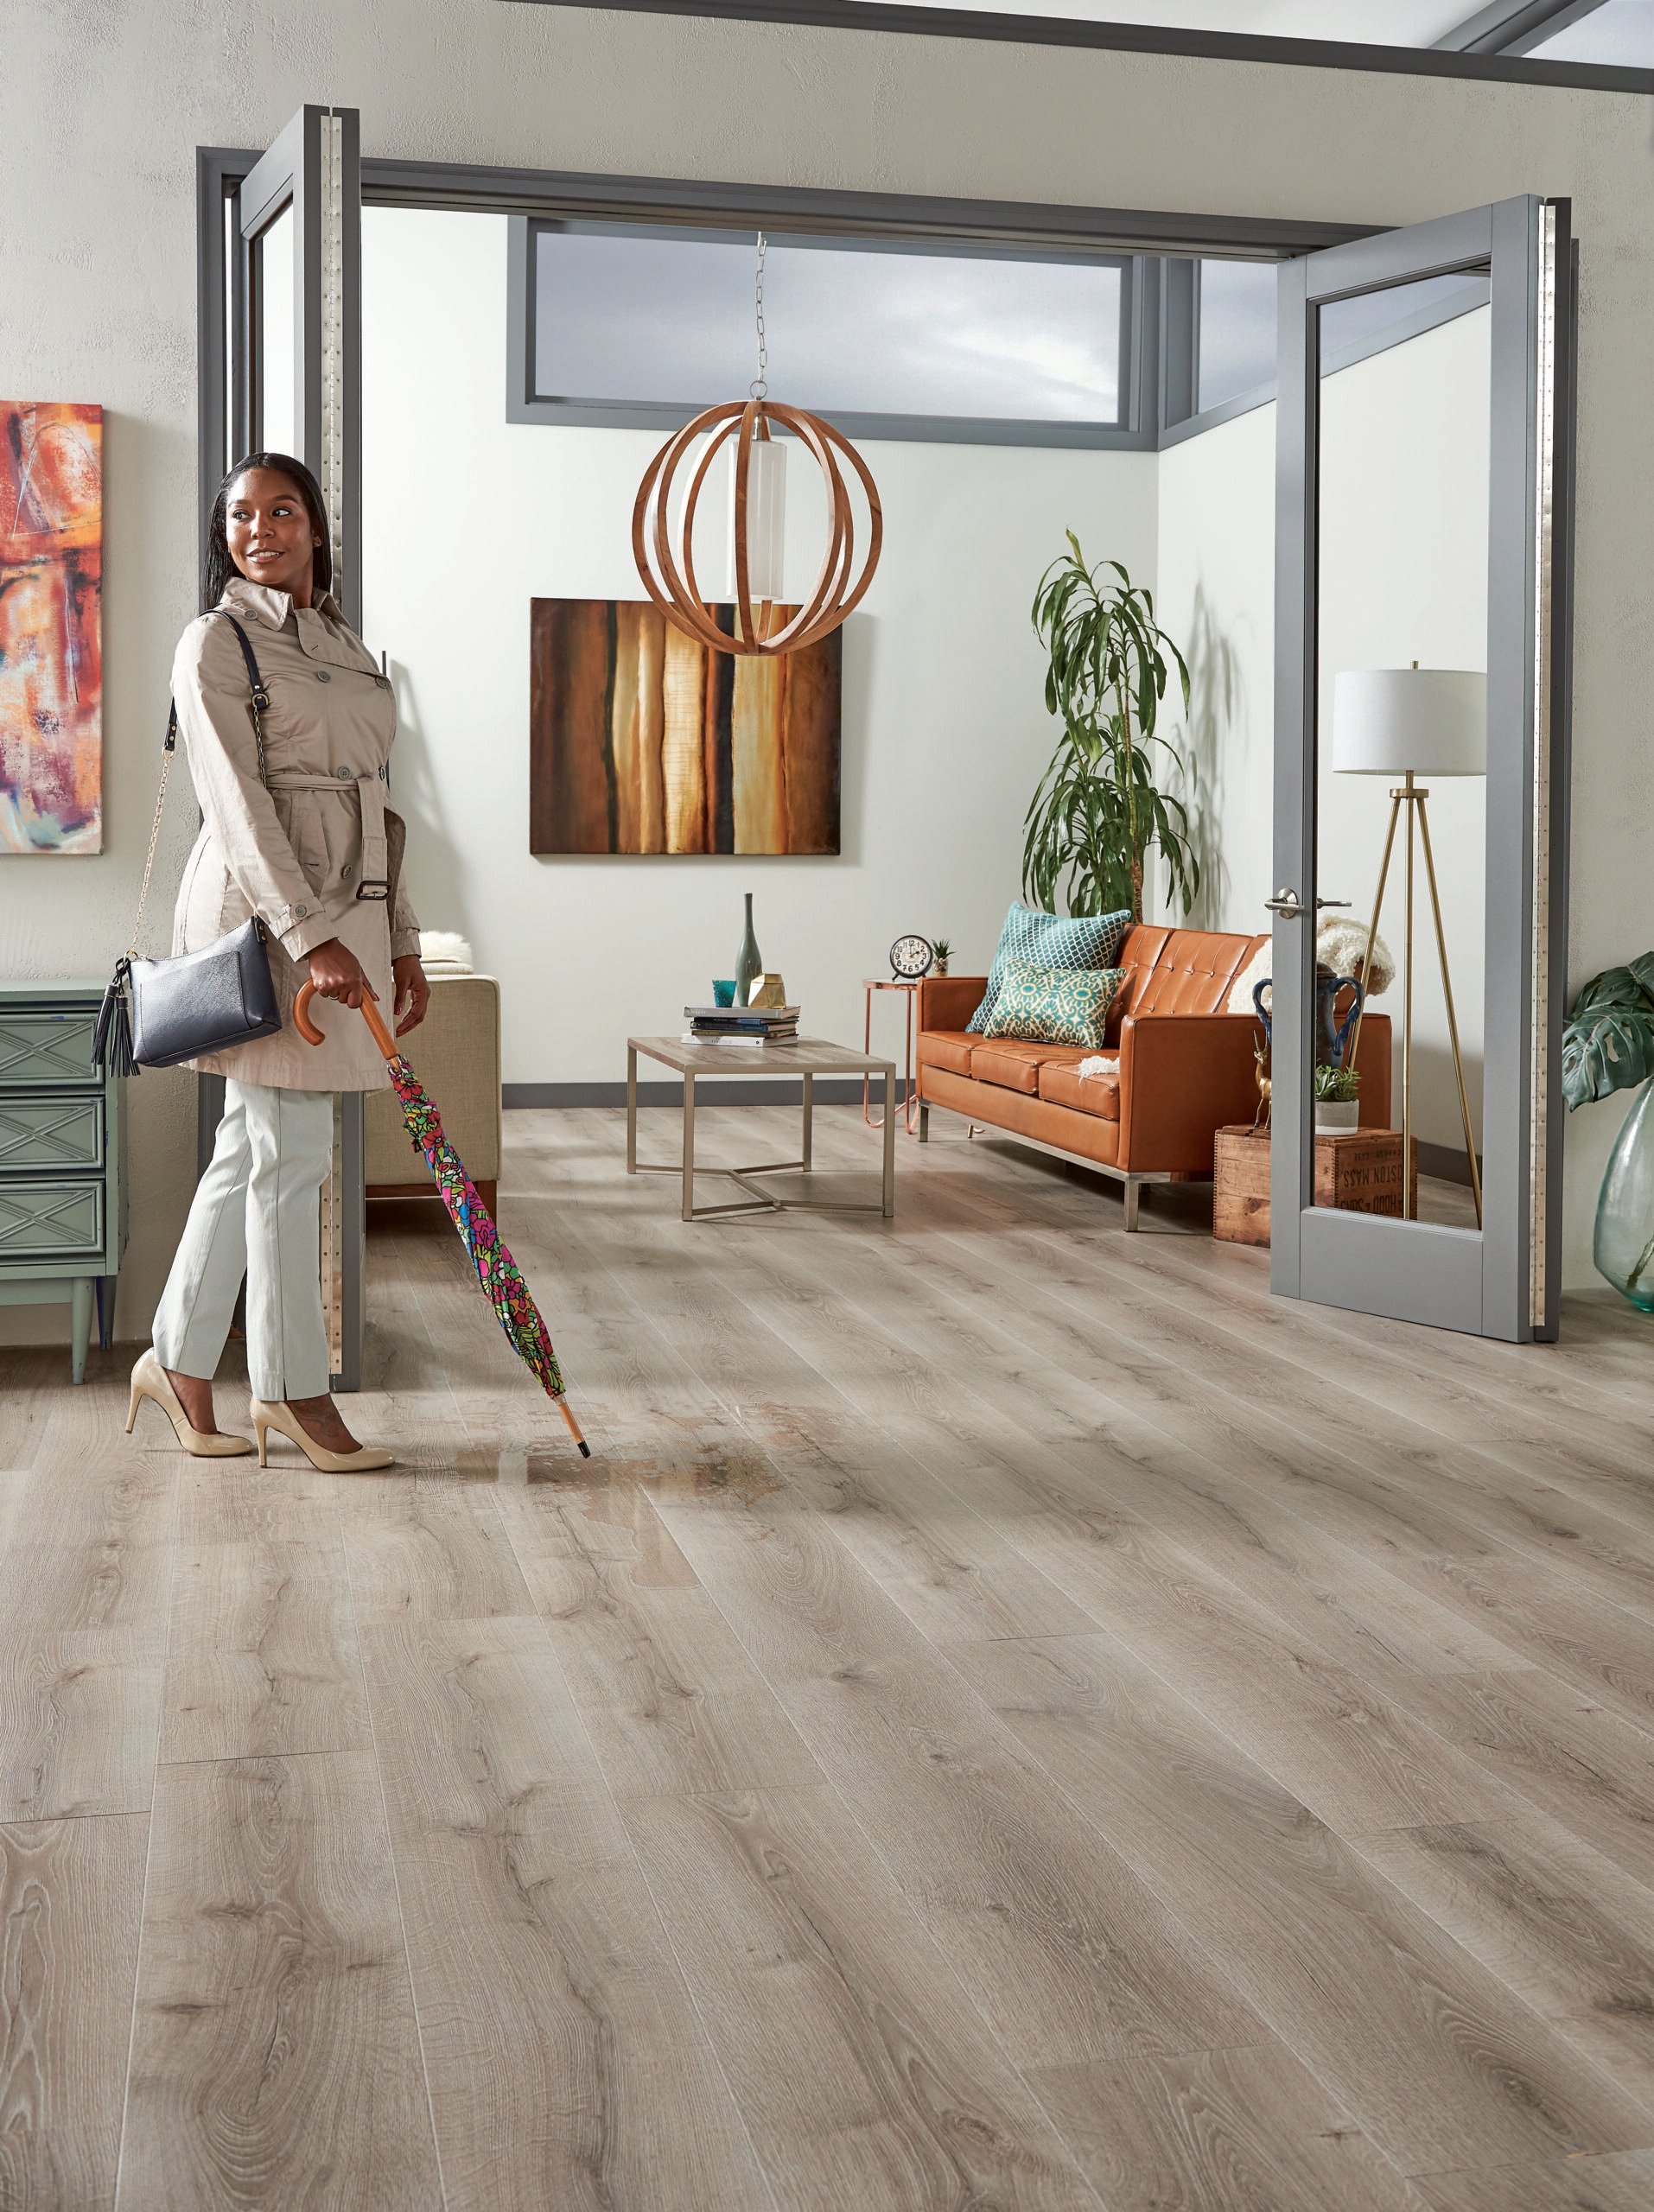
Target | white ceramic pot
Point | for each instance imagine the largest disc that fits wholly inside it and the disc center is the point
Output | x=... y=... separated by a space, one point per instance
x=1334 y=1115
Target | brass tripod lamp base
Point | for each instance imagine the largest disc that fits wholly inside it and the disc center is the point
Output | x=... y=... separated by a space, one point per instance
x=1409 y=722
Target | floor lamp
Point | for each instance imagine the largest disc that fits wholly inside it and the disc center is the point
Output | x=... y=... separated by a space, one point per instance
x=1412 y=722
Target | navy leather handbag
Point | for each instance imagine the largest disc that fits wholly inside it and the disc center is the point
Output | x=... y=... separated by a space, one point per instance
x=156 y=1013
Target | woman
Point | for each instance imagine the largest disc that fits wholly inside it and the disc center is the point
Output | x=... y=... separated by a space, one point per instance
x=305 y=849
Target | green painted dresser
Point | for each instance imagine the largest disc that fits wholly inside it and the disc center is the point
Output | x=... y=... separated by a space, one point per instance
x=62 y=1194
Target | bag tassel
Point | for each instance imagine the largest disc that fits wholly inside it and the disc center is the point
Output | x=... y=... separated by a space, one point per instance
x=111 y=1040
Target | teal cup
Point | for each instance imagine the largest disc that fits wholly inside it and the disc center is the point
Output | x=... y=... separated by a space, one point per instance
x=724 y=994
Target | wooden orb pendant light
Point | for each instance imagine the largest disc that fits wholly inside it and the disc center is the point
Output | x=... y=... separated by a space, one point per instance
x=665 y=549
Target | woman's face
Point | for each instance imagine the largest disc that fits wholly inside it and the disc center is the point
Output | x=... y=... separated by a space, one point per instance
x=270 y=536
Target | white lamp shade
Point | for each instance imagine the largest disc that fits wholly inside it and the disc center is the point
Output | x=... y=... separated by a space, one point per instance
x=1422 y=721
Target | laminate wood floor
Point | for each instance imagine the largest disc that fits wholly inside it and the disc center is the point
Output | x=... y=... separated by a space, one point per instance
x=1010 y=1716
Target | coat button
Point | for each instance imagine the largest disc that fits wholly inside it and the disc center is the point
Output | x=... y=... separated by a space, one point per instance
x=301 y=911
x=345 y=873
x=347 y=775
x=322 y=676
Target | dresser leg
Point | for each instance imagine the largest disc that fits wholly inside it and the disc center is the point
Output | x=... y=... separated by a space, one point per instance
x=80 y=1327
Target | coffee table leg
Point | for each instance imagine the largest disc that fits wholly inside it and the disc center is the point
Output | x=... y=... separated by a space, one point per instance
x=688 y=1148
x=631 y=1109
x=809 y=1115
x=889 y=1140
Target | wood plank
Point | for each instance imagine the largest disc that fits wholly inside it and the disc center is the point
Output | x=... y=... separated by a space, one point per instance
x=666 y=1692
x=428 y=1549
x=1275 y=1691
x=1622 y=2183
x=71 y=1893
x=866 y=2076
x=1249 y=2130
x=79 y=1714
x=275 y=2057
x=1025 y=1904
x=1427 y=2051
x=1557 y=1923
x=1592 y=1771
x=566 y=2063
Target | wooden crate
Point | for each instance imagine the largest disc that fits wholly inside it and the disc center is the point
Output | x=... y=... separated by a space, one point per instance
x=1359 y=1170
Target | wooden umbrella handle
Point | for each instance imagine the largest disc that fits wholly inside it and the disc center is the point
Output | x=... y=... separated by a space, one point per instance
x=370 y=1014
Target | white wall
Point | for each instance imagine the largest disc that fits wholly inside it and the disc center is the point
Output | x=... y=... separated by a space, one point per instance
x=1404 y=577
x=945 y=727
x=98 y=264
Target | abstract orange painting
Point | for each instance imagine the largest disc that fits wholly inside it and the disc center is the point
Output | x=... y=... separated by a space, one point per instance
x=51 y=627
x=644 y=740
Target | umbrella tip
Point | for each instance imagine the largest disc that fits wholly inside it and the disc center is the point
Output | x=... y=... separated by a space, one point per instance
x=585 y=1449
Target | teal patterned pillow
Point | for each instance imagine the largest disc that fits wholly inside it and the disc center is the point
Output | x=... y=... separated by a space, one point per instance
x=1059 y=941
x=1054 y=1005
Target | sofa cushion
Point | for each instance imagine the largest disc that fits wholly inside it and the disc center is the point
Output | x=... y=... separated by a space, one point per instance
x=1192 y=973
x=946 y=1048
x=1053 y=1006
x=1063 y=1084
x=1012 y=1065
x=1050 y=941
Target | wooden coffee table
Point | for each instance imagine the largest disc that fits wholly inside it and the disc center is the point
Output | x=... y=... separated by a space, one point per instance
x=808 y=1058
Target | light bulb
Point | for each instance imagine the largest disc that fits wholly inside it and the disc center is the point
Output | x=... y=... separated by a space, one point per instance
x=765 y=521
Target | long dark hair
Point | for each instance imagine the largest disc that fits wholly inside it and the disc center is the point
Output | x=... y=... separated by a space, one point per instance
x=219 y=566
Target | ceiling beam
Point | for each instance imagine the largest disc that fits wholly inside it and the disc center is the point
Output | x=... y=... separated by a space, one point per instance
x=1515 y=26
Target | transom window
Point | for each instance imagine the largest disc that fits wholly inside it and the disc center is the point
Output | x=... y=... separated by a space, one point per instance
x=907 y=339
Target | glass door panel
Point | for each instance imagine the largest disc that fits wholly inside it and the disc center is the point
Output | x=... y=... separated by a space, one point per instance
x=1401 y=800
x=275 y=429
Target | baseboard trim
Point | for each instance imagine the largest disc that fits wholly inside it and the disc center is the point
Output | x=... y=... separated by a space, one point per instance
x=1445 y=1163
x=720 y=1090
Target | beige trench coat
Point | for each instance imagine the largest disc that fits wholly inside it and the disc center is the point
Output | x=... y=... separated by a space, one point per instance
x=294 y=852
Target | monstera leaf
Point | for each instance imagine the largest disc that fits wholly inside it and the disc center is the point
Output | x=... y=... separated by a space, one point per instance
x=1608 y=1043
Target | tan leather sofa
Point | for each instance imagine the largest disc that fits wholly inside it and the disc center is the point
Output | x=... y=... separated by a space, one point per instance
x=1183 y=1067
x=455 y=1052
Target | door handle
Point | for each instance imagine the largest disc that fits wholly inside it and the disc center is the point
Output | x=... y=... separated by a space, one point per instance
x=1284 y=902
x=1332 y=902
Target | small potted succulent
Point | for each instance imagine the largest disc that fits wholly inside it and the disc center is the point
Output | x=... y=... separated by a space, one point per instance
x=941 y=953
x=1337 y=1102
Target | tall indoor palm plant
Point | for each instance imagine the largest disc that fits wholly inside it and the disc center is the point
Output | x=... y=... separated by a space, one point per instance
x=1097 y=812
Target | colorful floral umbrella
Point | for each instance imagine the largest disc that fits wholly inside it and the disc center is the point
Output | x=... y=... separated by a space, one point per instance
x=497 y=1271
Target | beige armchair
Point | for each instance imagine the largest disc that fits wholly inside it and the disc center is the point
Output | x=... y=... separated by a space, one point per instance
x=456 y=1051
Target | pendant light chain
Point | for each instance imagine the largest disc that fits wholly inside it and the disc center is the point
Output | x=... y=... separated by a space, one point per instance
x=760 y=387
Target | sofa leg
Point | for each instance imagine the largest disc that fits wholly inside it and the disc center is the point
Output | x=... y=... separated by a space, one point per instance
x=924 y=1122
x=1133 y=1192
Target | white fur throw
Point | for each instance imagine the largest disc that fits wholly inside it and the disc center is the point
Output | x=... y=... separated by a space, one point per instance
x=445 y=949
x=1099 y=1064
x=1340 y=943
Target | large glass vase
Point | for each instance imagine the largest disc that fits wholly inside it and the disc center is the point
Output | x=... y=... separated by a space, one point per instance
x=1624 y=1249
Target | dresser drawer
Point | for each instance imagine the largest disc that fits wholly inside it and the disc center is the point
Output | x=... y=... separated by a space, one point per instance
x=47 y=1044
x=52 y=1217
x=43 y=1130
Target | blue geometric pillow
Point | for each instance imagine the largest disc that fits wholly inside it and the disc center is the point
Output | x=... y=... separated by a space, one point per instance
x=1051 y=941
x=1055 y=1006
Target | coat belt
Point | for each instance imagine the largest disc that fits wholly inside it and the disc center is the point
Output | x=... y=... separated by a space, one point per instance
x=370 y=794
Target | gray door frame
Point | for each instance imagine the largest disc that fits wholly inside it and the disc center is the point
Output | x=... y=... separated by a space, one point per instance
x=1504 y=1281
x=314 y=167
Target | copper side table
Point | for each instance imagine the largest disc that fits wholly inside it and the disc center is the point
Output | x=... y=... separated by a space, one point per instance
x=910 y=1103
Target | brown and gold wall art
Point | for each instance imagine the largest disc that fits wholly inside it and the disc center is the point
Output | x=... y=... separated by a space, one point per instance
x=643 y=740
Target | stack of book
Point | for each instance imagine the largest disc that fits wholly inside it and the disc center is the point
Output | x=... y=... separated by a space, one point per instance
x=741 y=1025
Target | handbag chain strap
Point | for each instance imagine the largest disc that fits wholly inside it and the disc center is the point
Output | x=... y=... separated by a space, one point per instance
x=259 y=704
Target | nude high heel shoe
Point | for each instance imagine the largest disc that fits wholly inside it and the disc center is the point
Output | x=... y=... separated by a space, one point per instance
x=283 y=1419
x=150 y=1381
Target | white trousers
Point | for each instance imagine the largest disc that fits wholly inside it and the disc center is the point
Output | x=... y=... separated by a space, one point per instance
x=258 y=1213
